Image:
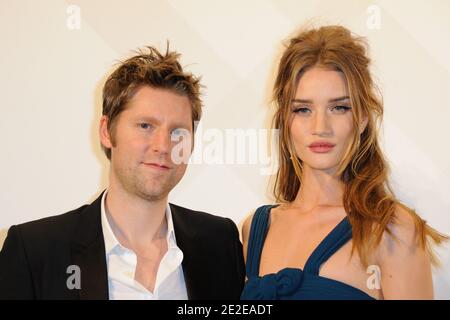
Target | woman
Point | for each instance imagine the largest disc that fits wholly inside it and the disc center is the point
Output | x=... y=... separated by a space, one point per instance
x=338 y=232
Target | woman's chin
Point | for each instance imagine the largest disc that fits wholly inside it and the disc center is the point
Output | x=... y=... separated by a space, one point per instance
x=322 y=166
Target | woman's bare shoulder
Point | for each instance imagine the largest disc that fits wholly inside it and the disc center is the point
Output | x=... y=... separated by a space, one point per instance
x=247 y=221
x=405 y=264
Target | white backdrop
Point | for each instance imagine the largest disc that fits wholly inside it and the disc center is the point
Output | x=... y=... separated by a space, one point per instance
x=55 y=56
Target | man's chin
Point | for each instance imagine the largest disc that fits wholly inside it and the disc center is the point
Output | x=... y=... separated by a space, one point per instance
x=155 y=189
x=152 y=195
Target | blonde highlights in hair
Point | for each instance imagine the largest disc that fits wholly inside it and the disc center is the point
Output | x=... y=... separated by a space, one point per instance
x=368 y=198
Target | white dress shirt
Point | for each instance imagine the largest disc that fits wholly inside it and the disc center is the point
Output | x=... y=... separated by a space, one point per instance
x=121 y=265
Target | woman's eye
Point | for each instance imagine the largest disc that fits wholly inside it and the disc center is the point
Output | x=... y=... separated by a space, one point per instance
x=302 y=110
x=341 y=109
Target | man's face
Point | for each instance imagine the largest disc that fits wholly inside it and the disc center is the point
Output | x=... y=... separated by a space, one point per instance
x=144 y=137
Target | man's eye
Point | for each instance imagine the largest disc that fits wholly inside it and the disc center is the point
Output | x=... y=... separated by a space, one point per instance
x=177 y=133
x=144 y=125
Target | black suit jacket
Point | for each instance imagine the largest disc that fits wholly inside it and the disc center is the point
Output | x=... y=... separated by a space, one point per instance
x=35 y=256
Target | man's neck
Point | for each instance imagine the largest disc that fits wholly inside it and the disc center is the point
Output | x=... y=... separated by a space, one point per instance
x=135 y=221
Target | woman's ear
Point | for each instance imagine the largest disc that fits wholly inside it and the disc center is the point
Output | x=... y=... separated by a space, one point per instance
x=105 y=137
x=363 y=124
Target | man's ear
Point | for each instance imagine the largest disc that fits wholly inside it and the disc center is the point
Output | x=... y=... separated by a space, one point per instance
x=105 y=137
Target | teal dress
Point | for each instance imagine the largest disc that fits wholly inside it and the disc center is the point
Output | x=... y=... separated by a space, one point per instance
x=294 y=283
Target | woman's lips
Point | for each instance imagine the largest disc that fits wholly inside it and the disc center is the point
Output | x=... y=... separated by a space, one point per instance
x=319 y=147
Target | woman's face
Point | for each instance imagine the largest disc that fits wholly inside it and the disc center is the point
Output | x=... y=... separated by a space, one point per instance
x=322 y=121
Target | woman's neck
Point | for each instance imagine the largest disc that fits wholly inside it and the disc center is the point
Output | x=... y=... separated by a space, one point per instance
x=319 y=188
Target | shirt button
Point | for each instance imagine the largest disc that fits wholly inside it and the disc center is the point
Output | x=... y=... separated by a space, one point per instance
x=128 y=273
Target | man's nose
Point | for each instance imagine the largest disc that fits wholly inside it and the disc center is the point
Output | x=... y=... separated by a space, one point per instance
x=161 y=141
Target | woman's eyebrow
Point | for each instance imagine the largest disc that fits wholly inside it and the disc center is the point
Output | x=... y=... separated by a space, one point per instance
x=330 y=100
x=339 y=99
x=302 y=100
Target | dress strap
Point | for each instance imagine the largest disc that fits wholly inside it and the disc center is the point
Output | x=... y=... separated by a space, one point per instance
x=339 y=236
x=258 y=231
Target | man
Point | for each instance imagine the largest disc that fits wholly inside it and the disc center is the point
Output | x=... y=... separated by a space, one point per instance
x=131 y=243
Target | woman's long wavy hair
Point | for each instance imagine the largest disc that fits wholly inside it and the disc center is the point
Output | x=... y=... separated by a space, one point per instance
x=368 y=198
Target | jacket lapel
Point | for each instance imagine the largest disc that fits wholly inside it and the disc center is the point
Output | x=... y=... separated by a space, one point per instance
x=88 y=252
x=186 y=241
